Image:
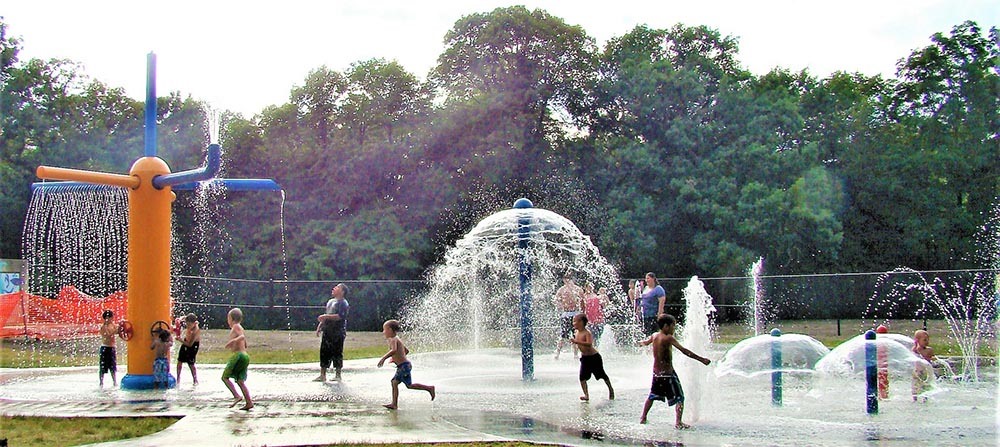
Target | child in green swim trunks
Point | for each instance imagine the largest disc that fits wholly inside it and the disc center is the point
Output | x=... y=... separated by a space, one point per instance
x=236 y=368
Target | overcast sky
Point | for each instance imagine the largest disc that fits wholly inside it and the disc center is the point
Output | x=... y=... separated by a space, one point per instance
x=245 y=55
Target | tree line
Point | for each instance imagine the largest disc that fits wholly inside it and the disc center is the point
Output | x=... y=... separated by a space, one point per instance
x=659 y=145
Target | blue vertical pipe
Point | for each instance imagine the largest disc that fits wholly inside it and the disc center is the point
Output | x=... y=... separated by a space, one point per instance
x=150 y=143
x=776 y=367
x=524 y=278
x=871 y=372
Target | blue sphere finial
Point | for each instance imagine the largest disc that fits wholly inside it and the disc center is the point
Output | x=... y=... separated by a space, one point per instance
x=869 y=335
x=523 y=203
x=775 y=332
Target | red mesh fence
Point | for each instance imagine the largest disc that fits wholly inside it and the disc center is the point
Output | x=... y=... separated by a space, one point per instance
x=71 y=314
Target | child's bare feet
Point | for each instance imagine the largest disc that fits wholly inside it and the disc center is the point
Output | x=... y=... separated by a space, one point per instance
x=246 y=407
x=681 y=426
x=642 y=421
x=584 y=398
x=320 y=379
x=431 y=390
x=390 y=406
x=236 y=402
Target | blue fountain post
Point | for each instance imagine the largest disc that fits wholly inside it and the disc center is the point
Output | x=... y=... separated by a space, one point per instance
x=524 y=277
x=776 y=367
x=149 y=146
x=871 y=372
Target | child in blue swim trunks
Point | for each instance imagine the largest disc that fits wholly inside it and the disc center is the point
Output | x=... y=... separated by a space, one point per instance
x=666 y=386
x=162 y=342
x=397 y=354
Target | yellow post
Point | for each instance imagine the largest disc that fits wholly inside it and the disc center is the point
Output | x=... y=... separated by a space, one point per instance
x=148 y=261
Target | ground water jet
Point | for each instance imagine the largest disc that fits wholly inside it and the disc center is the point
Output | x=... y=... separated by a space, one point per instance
x=967 y=304
x=697 y=334
x=757 y=296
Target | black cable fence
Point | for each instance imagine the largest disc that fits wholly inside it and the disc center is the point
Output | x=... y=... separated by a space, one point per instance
x=290 y=304
x=295 y=304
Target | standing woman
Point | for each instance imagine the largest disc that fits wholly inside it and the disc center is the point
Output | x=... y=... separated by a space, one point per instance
x=651 y=300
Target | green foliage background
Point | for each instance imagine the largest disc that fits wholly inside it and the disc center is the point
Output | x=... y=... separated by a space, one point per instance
x=673 y=157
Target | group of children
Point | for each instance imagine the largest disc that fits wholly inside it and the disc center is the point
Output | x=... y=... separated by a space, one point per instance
x=190 y=338
x=579 y=305
x=666 y=386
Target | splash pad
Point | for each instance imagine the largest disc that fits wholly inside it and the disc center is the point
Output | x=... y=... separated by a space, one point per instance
x=482 y=397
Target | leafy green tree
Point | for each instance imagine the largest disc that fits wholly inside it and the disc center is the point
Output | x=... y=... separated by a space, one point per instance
x=516 y=72
x=655 y=114
x=37 y=125
x=9 y=48
x=12 y=175
x=110 y=127
x=940 y=163
x=182 y=131
x=245 y=153
x=381 y=94
x=950 y=93
x=319 y=101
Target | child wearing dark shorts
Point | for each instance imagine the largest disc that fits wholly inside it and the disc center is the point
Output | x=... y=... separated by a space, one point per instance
x=666 y=386
x=107 y=358
x=397 y=354
x=591 y=363
x=108 y=361
x=188 y=354
x=190 y=343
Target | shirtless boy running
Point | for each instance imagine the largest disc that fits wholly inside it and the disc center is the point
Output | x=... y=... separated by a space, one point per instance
x=666 y=386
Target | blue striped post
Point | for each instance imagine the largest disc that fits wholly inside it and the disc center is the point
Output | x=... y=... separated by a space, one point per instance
x=524 y=277
x=871 y=372
x=776 y=367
